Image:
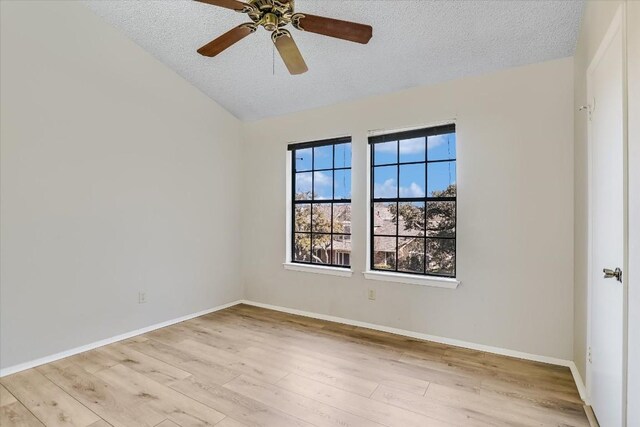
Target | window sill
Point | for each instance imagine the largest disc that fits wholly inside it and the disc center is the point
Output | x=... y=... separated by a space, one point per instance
x=438 y=282
x=318 y=269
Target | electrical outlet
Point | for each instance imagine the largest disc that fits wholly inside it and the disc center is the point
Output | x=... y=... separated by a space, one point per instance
x=142 y=297
x=372 y=294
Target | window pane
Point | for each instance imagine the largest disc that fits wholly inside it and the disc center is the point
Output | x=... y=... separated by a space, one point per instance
x=302 y=220
x=411 y=254
x=303 y=186
x=441 y=179
x=384 y=253
x=441 y=147
x=323 y=157
x=342 y=184
x=321 y=220
x=441 y=256
x=384 y=220
x=342 y=218
x=385 y=182
x=441 y=219
x=412 y=150
x=411 y=219
x=342 y=156
x=385 y=152
x=342 y=250
x=303 y=159
x=412 y=180
x=302 y=247
x=318 y=222
x=323 y=185
x=321 y=248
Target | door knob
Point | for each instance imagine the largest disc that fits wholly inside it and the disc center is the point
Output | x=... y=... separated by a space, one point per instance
x=617 y=273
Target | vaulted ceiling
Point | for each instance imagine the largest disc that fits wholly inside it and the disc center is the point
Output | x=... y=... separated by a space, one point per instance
x=414 y=43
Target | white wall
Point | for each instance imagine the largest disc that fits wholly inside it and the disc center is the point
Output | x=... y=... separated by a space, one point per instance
x=515 y=225
x=117 y=176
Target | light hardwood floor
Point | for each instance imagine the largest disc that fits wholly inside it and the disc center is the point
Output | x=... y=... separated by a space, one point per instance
x=247 y=366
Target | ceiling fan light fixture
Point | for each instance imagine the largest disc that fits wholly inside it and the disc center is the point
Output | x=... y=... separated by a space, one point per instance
x=270 y=21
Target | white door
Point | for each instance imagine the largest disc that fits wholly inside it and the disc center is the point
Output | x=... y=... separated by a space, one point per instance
x=606 y=180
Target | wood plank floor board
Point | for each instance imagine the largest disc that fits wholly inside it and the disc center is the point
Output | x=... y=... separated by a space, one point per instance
x=6 y=397
x=230 y=422
x=153 y=368
x=434 y=409
x=304 y=408
x=47 y=401
x=317 y=370
x=246 y=366
x=359 y=370
x=238 y=406
x=204 y=367
x=313 y=337
x=169 y=423
x=379 y=412
x=260 y=369
x=508 y=408
x=14 y=413
x=115 y=405
x=173 y=405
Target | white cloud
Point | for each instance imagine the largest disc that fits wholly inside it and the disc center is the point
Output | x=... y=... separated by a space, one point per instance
x=303 y=180
x=322 y=179
x=414 y=190
x=386 y=189
x=412 y=146
x=407 y=146
x=436 y=141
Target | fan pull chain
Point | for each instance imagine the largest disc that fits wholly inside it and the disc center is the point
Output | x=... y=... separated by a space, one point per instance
x=273 y=59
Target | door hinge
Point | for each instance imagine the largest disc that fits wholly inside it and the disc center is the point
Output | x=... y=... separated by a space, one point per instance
x=589 y=354
x=589 y=109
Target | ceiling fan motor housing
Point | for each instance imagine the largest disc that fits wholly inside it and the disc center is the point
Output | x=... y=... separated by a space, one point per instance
x=271 y=14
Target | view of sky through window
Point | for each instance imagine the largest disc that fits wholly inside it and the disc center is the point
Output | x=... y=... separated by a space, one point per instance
x=411 y=176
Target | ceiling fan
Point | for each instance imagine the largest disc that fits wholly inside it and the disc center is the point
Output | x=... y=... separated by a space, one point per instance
x=274 y=15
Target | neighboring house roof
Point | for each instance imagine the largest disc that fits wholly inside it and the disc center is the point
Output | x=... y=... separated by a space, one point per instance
x=383 y=222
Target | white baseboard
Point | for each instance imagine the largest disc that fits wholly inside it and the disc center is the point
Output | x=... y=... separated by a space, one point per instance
x=582 y=389
x=52 y=358
x=481 y=347
x=449 y=341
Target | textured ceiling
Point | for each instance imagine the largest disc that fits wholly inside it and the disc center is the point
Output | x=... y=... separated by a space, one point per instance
x=414 y=43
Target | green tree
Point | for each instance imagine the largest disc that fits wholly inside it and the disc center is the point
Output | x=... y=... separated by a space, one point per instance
x=320 y=229
x=440 y=222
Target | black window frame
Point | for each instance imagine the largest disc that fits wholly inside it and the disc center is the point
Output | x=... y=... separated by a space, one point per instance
x=399 y=136
x=294 y=202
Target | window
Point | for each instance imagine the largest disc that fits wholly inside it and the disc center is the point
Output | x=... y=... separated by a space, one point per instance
x=413 y=202
x=321 y=202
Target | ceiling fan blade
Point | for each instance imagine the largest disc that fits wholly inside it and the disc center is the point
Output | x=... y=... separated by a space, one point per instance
x=228 y=4
x=345 y=30
x=289 y=52
x=226 y=40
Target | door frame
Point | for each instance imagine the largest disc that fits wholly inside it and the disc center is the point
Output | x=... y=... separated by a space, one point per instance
x=618 y=23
